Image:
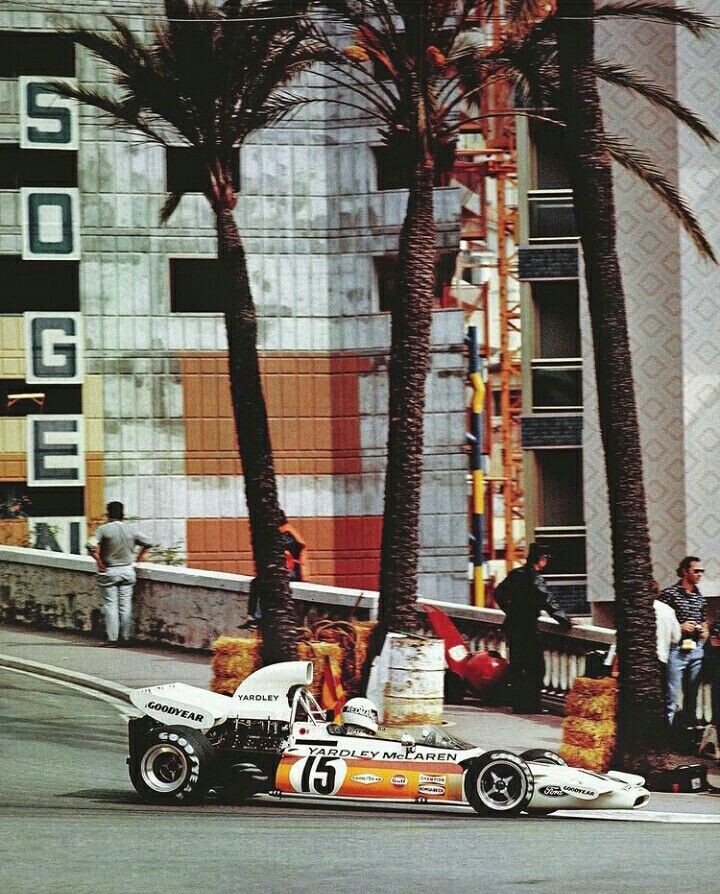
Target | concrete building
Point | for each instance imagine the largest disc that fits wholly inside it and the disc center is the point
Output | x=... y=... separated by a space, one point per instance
x=674 y=318
x=111 y=322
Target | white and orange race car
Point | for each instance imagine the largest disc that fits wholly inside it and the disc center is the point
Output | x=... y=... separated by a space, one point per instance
x=272 y=738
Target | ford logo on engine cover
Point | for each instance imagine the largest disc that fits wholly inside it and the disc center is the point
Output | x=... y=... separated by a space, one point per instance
x=551 y=791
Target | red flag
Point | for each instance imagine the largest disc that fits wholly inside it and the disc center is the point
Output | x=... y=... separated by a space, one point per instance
x=456 y=650
x=332 y=694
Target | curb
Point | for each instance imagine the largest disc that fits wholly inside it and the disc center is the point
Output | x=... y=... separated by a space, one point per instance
x=97 y=684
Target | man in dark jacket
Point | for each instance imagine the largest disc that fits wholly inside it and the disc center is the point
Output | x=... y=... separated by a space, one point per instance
x=522 y=596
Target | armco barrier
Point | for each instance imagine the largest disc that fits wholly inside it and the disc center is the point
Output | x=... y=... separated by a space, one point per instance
x=190 y=608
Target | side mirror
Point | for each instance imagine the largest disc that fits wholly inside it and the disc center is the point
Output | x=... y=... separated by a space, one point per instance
x=408 y=741
x=330 y=715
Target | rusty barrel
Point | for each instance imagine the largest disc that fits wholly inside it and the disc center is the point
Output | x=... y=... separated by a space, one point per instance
x=414 y=687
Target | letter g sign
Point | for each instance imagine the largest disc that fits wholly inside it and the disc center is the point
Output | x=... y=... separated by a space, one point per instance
x=53 y=348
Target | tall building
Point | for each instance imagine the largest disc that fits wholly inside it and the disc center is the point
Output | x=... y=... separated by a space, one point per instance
x=113 y=381
x=673 y=318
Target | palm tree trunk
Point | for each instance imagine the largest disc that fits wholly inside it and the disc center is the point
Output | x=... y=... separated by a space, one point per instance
x=640 y=714
x=278 y=622
x=409 y=362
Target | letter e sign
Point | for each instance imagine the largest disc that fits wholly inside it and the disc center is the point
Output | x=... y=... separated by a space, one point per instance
x=55 y=451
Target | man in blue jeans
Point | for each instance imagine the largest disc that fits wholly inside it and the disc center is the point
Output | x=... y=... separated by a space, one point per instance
x=686 y=658
x=113 y=548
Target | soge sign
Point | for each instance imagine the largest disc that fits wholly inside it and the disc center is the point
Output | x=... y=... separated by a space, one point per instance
x=53 y=341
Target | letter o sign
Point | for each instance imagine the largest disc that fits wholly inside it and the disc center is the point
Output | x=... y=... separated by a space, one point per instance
x=50 y=223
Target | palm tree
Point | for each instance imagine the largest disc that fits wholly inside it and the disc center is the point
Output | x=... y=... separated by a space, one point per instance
x=565 y=70
x=210 y=82
x=412 y=89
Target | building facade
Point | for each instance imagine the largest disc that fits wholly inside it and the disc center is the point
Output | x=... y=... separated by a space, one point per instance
x=673 y=317
x=112 y=349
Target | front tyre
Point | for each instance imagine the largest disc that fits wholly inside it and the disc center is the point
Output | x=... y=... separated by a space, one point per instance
x=175 y=765
x=499 y=784
x=541 y=756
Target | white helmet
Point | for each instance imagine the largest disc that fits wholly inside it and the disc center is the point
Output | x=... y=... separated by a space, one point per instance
x=361 y=712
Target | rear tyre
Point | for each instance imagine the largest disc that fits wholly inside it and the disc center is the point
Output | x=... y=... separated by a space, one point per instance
x=499 y=784
x=175 y=765
x=540 y=756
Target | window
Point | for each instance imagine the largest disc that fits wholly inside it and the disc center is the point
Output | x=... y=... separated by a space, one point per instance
x=36 y=53
x=185 y=174
x=386 y=275
x=38 y=285
x=42 y=501
x=561 y=487
x=557 y=386
x=550 y=155
x=58 y=398
x=392 y=170
x=36 y=167
x=557 y=310
x=552 y=215
x=196 y=286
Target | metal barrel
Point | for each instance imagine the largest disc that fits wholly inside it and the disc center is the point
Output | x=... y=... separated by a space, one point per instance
x=414 y=686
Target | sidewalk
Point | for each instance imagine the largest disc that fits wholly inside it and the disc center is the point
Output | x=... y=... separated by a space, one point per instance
x=72 y=657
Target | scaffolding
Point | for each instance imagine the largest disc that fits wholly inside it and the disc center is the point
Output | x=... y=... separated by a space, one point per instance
x=486 y=288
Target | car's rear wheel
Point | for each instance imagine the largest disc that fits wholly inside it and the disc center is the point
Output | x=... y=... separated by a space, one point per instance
x=174 y=766
x=541 y=756
x=499 y=784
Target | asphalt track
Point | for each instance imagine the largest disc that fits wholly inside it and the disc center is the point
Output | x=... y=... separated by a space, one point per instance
x=71 y=822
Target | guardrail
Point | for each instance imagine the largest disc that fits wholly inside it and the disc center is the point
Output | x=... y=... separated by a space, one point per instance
x=189 y=608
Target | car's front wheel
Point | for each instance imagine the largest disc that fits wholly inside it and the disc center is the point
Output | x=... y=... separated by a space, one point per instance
x=174 y=766
x=499 y=784
x=541 y=756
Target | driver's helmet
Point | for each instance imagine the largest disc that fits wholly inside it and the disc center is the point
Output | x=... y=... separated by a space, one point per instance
x=360 y=713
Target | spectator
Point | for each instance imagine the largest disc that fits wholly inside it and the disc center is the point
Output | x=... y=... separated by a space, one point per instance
x=686 y=658
x=712 y=675
x=522 y=596
x=113 y=548
x=668 y=632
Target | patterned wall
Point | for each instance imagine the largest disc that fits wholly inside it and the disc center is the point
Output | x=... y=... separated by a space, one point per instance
x=673 y=310
x=154 y=404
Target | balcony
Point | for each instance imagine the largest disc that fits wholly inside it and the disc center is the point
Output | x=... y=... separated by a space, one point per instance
x=557 y=385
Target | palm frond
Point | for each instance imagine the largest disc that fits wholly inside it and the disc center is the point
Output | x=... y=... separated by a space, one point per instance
x=632 y=80
x=123 y=112
x=658 y=11
x=169 y=206
x=642 y=166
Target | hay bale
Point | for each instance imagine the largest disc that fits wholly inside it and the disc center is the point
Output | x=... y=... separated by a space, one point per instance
x=592 y=699
x=234 y=659
x=595 y=759
x=589 y=728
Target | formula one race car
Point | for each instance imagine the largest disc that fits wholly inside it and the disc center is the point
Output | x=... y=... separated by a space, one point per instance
x=272 y=738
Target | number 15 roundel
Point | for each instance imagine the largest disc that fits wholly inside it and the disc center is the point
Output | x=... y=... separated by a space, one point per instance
x=318 y=775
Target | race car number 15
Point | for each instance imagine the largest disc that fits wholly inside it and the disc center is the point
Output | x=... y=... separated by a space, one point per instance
x=318 y=775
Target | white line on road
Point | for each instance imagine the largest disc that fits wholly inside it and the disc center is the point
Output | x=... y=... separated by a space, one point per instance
x=641 y=816
x=125 y=710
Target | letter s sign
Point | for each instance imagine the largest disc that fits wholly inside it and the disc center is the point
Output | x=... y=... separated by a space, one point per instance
x=47 y=120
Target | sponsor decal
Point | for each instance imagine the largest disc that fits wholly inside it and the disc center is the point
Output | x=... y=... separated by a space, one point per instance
x=431 y=789
x=580 y=792
x=398 y=781
x=366 y=779
x=257 y=698
x=175 y=712
x=376 y=754
x=552 y=791
x=433 y=780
